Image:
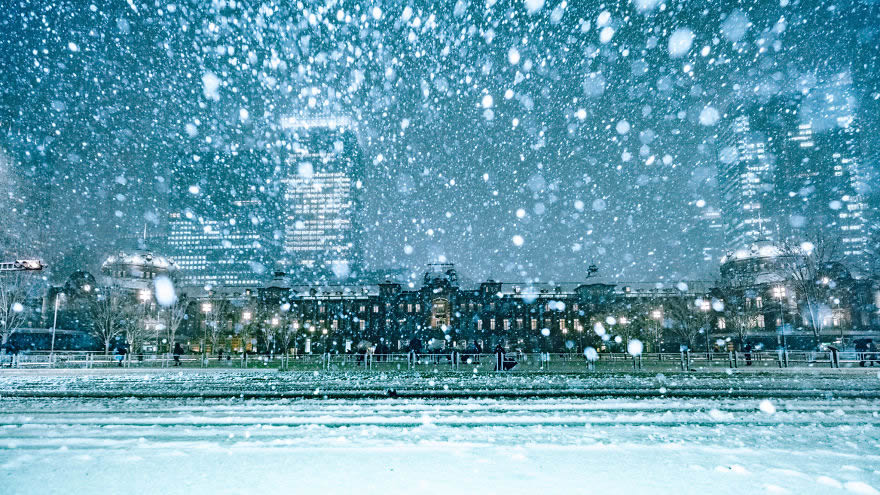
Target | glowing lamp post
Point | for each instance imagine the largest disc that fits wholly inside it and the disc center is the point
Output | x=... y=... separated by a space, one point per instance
x=206 y=308
x=54 y=324
x=246 y=318
x=657 y=315
x=705 y=306
x=779 y=294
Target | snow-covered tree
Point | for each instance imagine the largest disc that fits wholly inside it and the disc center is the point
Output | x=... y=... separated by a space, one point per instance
x=686 y=318
x=174 y=318
x=108 y=311
x=809 y=267
x=15 y=289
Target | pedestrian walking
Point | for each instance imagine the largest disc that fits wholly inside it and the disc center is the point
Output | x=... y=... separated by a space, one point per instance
x=499 y=357
x=415 y=347
x=120 y=354
x=178 y=350
x=862 y=351
x=748 y=353
x=872 y=353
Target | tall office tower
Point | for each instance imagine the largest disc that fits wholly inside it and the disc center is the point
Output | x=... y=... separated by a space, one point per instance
x=823 y=188
x=226 y=231
x=25 y=203
x=792 y=168
x=227 y=251
x=746 y=183
x=321 y=199
x=712 y=227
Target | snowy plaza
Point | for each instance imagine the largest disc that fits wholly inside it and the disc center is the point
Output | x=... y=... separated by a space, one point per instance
x=454 y=247
x=169 y=431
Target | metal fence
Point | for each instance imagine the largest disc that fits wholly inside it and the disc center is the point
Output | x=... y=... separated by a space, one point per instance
x=524 y=362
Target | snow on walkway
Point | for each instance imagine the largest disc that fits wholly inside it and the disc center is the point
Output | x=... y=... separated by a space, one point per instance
x=812 y=441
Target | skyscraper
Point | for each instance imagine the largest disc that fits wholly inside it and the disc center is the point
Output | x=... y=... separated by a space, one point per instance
x=226 y=251
x=791 y=167
x=321 y=198
x=823 y=186
x=25 y=201
x=745 y=181
x=227 y=232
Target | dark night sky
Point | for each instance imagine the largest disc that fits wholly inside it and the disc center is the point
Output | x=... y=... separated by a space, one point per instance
x=577 y=113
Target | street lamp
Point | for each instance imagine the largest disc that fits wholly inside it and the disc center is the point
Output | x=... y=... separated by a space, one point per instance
x=58 y=297
x=144 y=295
x=295 y=329
x=206 y=308
x=779 y=293
x=705 y=306
x=275 y=322
x=836 y=317
x=657 y=315
x=246 y=316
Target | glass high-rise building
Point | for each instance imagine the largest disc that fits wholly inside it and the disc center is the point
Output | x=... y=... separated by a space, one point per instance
x=321 y=199
x=226 y=251
x=823 y=186
x=791 y=168
x=227 y=232
x=746 y=177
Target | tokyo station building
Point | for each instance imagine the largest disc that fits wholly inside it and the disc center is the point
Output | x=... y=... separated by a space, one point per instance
x=441 y=314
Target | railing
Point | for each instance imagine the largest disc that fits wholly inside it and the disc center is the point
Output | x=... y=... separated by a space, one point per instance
x=525 y=362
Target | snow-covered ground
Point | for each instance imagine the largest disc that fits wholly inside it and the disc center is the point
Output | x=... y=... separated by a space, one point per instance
x=469 y=445
x=161 y=383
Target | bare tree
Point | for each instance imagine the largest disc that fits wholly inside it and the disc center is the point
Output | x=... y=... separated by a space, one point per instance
x=174 y=316
x=214 y=319
x=807 y=266
x=741 y=311
x=108 y=318
x=14 y=291
x=642 y=326
x=652 y=330
x=685 y=319
x=267 y=326
x=133 y=319
x=286 y=333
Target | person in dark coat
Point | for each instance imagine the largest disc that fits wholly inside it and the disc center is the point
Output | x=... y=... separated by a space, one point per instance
x=415 y=348
x=381 y=350
x=178 y=350
x=748 y=354
x=499 y=357
x=862 y=350
x=120 y=354
x=872 y=353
